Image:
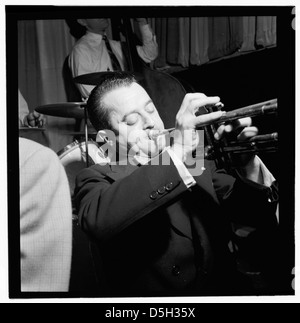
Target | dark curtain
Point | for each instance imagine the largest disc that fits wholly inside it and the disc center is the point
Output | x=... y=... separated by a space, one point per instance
x=195 y=41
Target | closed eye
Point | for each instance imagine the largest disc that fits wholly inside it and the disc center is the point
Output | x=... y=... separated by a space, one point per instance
x=150 y=108
x=131 y=119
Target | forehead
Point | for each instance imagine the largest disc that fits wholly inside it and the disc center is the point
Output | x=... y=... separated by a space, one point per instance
x=125 y=99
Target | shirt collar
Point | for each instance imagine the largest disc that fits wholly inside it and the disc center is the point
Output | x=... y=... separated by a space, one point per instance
x=94 y=36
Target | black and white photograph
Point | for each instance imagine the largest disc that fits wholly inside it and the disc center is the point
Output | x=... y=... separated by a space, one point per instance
x=147 y=148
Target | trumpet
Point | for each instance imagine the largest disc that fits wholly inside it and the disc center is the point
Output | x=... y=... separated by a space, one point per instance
x=265 y=143
x=259 y=109
x=222 y=152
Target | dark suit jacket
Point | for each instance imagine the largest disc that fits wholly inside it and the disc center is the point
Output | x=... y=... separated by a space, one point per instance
x=156 y=237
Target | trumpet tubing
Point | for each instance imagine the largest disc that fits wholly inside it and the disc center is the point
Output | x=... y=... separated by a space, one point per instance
x=261 y=143
x=250 y=111
x=259 y=109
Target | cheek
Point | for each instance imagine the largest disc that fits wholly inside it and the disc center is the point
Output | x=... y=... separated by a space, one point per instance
x=120 y=131
x=158 y=122
x=135 y=135
x=129 y=136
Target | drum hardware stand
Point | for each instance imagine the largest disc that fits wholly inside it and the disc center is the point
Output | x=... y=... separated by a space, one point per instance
x=86 y=137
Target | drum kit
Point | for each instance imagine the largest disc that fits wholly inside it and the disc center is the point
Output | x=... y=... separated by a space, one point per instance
x=75 y=110
x=78 y=154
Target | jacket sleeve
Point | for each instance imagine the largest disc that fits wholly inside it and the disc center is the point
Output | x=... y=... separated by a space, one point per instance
x=107 y=207
x=246 y=201
x=45 y=220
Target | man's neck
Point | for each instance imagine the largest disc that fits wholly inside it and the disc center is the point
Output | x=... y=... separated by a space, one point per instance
x=102 y=32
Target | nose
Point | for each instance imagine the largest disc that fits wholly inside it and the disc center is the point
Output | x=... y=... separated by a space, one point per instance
x=148 y=122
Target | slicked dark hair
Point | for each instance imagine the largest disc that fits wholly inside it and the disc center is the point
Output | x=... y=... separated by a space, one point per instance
x=98 y=112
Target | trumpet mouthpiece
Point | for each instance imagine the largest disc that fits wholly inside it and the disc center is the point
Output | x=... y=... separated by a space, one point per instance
x=153 y=134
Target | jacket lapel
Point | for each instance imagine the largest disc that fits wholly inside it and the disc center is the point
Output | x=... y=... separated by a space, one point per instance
x=179 y=218
x=180 y=214
x=205 y=182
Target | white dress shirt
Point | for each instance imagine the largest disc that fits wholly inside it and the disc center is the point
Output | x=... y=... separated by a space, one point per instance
x=90 y=55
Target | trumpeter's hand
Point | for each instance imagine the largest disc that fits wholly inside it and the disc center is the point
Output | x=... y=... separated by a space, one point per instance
x=185 y=135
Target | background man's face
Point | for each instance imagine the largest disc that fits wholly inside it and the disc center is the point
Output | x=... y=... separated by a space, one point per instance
x=97 y=25
x=133 y=115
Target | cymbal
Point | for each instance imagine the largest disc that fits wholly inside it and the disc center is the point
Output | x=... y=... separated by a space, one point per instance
x=97 y=78
x=80 y=133
x=27 y=129
x=92 y=78
x=64 y=110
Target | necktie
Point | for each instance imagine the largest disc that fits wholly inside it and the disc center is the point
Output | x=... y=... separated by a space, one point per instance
x=114 y=61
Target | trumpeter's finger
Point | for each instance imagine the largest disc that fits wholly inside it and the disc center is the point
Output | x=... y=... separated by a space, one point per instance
x=241 y=123
x=220 y=132
x=247 y=133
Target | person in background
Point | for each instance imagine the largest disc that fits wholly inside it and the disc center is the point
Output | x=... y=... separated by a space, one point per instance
x=26 y=118
x=45 y=220
x=29 y=119
x=94 y=52
x=31 y=124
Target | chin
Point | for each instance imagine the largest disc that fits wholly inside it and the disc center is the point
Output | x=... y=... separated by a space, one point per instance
x=155 y=149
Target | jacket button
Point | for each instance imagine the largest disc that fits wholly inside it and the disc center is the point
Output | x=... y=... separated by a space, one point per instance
x=153 y=195
x=161 y=190
x=169 y=186
x=176 y=270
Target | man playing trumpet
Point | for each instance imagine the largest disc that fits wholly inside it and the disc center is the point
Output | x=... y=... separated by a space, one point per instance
x=164 y=228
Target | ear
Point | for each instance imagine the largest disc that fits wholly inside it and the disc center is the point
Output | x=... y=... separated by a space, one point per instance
x=82 y=22
x=102 y=136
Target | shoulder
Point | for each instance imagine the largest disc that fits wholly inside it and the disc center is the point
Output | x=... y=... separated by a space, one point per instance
x=81 y=46
x=81 y=41
x=31 y=150
x=39 y=164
